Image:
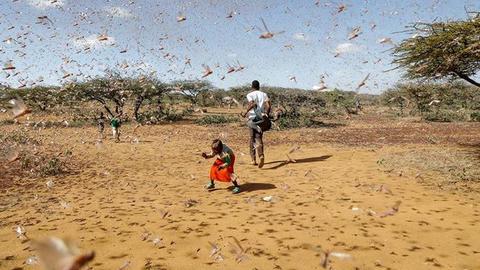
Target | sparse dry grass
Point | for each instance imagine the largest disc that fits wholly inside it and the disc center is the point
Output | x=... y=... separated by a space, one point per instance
x=446 y=167
x=23 y=154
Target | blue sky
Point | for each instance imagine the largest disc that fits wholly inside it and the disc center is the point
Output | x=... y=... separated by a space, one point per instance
x=44 y=51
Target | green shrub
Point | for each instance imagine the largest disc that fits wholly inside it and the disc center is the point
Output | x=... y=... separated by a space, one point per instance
x=300 y=121
x=475 y=116
x=6 y=122
x=168 y=114
x=434 y=101
x=444 y=116
x=174 y=116
x=33 y=158
x=18 y=138
x=54 y=166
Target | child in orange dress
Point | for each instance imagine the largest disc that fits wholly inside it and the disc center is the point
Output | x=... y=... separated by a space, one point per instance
x=222 y=168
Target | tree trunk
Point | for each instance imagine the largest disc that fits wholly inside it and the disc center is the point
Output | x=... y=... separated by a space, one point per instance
x=138 y=104
x=468 y=79
x=159 y=106
x=104 y=105
x=108 y=110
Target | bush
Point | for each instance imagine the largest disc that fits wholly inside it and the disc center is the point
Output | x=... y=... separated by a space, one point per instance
x=444 y=116
x=174 y=116
x=43 y=165
x=434 y=102
x=300 y=121
x=168 y=114
x=6 y=122
x=475 y=116
x=53 y=166
x=215 y=120
x=32 y=158
x=291 y=100
x=17 y=138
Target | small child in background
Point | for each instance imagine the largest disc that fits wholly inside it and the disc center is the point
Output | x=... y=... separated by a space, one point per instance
x=115 y=123
x=222 y=168
x=101 y=124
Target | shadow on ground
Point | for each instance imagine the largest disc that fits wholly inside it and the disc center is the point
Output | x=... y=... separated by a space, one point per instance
x=297 y=161
x=249 y=187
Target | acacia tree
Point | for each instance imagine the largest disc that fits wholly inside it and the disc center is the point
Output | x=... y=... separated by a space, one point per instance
x=441 y=50
x=40 y=97
x=147 y=89
x=112 y=91
x=192 y=90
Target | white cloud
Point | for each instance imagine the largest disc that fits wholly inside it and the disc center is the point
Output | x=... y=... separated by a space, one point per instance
x=346 y=48
x=119 y=12
x=44 y=4
x=93 y=42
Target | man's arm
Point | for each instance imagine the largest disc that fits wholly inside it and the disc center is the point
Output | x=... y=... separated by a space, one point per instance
x=268 y=107
x=250 y=106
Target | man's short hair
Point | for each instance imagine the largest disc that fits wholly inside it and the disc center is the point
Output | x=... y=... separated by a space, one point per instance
x=256 y=85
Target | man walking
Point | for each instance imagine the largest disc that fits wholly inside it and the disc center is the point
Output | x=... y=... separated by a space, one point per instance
x=257 y=113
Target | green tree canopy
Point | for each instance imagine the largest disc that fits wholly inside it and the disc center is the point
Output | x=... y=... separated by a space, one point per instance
x=441 y=50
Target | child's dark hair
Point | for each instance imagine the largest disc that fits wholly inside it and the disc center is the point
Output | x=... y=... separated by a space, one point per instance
x=217 y=145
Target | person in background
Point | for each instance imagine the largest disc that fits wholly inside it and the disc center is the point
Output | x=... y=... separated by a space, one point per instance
x=101 y=124
x=116 y=123
x=257 y=114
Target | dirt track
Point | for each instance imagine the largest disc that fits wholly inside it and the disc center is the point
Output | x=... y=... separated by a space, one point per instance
x=133 y=194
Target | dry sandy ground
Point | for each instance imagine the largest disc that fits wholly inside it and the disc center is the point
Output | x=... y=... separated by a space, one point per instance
x=129 y=204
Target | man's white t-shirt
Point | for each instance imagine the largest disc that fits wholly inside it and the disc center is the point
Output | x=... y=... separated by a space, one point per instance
x=259 y=98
